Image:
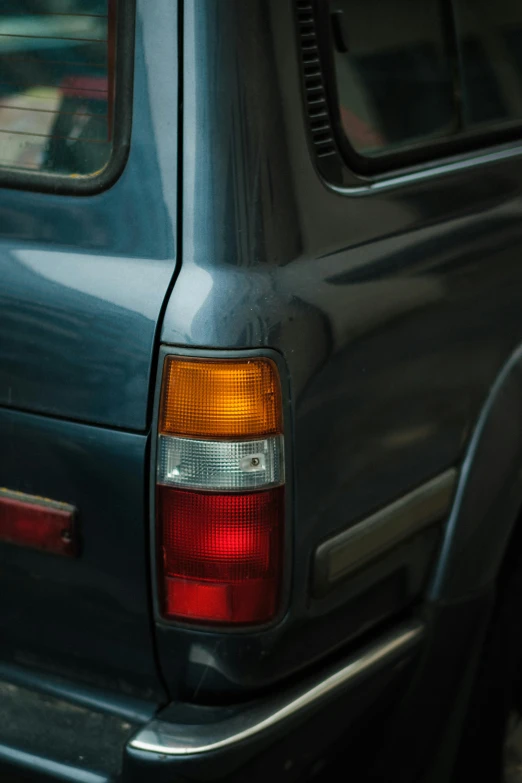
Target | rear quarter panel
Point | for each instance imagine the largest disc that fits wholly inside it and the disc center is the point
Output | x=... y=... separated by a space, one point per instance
x=394 y=305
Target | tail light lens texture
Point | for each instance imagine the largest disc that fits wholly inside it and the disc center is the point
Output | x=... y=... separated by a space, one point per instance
x=221 y=554
x=220 y=496
x=220 y=399
x=227 y=466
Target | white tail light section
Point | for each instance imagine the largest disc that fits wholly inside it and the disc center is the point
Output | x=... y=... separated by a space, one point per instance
x=214 y=465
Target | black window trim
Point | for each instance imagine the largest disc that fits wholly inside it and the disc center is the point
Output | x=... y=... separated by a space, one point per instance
x=87 y=185
x=431 y=153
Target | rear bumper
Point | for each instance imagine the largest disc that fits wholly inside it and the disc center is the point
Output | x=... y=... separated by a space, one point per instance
x=226 y=729
x=398 y=705
x=287 y=731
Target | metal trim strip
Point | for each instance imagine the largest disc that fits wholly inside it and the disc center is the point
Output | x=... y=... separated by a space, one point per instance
x=177 y=739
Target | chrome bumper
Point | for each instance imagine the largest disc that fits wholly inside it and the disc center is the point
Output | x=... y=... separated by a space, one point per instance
x=280 y=710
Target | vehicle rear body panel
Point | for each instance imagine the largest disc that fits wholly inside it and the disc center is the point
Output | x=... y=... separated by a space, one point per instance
x=65 y=312
x=84 y=279
x=86 y=618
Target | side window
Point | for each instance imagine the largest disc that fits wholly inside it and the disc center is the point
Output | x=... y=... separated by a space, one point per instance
x=57 y=86
x=408 y=80
x=490 y=40
x=393 y=72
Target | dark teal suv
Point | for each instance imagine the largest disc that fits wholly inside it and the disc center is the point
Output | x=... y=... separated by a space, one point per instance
x=260 y=390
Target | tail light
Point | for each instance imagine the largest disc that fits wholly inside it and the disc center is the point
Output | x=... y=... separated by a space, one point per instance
x=220 y=490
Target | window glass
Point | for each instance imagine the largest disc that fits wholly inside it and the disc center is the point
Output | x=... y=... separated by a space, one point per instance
x=56 y=85
x=490 y=40
x=393 y=72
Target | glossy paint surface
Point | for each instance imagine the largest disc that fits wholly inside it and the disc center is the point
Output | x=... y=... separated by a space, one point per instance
x=84 y=278
x=394 y=304
x=83 y=283
x=84 y=618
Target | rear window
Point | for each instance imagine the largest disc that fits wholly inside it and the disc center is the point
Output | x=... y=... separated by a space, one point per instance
x=490 y=41
x=57 y=86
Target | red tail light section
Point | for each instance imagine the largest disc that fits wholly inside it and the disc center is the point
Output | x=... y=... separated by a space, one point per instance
x=222 y=554
x=220 y=491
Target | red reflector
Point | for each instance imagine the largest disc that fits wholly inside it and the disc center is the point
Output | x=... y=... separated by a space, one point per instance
x=222 y=554
x=41 y=525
